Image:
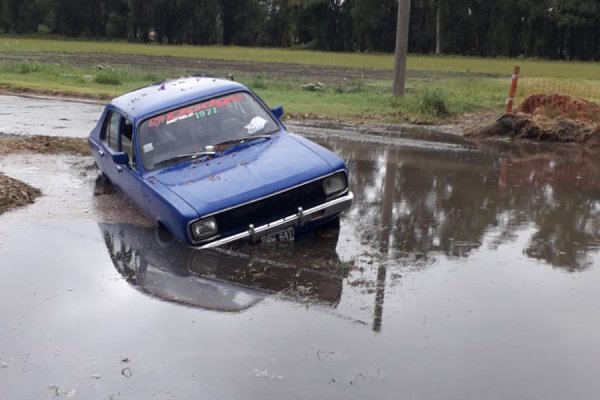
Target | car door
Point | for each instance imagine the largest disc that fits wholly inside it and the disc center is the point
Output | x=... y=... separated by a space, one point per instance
x=117 y=137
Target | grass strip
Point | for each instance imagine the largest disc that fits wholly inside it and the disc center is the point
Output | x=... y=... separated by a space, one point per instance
x=427 y=100
x=495 y=66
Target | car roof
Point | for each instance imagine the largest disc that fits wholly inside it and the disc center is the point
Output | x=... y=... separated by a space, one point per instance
x=161 y=96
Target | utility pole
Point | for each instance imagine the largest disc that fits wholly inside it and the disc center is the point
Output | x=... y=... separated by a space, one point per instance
x=401 y=46
x=438 y=29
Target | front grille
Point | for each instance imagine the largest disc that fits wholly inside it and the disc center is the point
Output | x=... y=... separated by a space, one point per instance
x=271 y=208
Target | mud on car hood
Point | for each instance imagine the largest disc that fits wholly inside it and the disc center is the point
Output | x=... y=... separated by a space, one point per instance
x=245 y=175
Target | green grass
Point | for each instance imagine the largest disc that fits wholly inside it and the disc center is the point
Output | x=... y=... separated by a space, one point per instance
x=361 y=100
x=497 y=66
x=61 y=78
x=433 y=98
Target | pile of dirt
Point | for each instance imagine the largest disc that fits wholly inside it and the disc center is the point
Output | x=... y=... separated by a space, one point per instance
x=556 y=105
x=44 y=145
x=547 y=118
x=14 y=193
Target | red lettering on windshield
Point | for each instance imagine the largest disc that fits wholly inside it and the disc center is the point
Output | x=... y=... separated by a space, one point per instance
x=184 y=113
x=154 y=122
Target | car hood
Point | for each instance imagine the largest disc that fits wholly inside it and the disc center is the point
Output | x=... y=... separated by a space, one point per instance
x=261 y=169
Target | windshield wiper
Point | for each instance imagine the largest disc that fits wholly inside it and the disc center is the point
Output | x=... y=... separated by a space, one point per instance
x=241 y=140
x=193 y=156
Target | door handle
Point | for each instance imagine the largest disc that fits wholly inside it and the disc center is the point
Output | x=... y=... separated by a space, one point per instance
x=101 y=153
x=119 y=169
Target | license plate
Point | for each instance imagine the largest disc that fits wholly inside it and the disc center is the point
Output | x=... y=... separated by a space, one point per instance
x=286 y=235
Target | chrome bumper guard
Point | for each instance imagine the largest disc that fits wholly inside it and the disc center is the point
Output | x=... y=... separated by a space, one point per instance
x=324 y=210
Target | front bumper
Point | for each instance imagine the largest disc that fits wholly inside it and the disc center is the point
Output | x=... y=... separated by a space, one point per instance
x=328 y=209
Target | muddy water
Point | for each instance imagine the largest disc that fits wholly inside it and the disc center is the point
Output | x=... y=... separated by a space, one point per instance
x=461 y=271
x=45 y=116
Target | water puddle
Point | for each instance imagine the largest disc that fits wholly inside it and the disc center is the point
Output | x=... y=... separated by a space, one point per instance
x=47 y=116
x=462 y=271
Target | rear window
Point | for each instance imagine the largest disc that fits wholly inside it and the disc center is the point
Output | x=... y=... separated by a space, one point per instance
x=195 y=127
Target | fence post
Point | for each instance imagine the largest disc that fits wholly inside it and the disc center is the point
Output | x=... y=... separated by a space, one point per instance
x=513 y=90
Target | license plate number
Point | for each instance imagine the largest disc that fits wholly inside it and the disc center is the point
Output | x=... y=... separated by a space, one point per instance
x=286 y=235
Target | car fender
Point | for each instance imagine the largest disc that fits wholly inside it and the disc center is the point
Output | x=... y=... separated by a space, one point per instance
x=167 y=208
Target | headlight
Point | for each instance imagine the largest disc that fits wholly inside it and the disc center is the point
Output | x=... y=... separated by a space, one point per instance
x=204 y=228
x=335 y=184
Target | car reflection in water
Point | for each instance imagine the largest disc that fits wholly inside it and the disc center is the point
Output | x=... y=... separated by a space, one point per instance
x=226 y=280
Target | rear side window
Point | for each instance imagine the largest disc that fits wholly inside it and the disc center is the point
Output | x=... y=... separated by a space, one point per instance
x=118 y=135
x=110 y=134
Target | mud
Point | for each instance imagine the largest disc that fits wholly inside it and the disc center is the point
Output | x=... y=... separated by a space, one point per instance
x=563 y=106
x=541 y=129
x=14 y=193
x=461 y=271
x=547 y=118
x=43 y=145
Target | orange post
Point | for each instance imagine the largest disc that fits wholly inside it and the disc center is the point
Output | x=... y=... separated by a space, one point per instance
x=513 y=90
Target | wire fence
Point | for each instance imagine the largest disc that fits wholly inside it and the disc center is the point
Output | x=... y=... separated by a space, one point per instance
x=571 y=98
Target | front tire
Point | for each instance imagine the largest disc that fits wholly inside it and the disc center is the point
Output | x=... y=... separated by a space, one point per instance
x=163 y=235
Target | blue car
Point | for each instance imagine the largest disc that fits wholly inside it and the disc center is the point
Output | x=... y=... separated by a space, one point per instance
x=210 y=163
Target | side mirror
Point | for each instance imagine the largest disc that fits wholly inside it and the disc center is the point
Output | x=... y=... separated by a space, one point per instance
x=120 y=158
x=277 y=111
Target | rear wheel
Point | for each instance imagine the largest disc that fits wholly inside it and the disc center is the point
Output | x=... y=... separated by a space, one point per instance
x=103 y=185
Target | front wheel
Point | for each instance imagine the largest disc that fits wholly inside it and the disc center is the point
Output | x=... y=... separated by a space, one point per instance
x=333 y=224
x=163 y=235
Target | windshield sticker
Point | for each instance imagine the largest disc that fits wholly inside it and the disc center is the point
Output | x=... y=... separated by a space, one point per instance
x=256 y=125
x=188 y=112
x=148 y=147
x=206 y=113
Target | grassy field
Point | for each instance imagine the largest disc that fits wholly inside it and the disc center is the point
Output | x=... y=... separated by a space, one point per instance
x=429 y=99
x=500 y=66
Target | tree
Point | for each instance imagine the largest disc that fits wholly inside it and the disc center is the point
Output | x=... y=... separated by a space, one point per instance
x=373 y=24
x=138 y=17
x=243 y=21
x=18 y=16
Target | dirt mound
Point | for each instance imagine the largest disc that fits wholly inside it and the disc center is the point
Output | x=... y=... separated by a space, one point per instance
x=555 y=105
x=15 y=193
x=44 y=145
x=548 y=118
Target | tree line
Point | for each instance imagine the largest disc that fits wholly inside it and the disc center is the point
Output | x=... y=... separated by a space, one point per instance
x=555 y=29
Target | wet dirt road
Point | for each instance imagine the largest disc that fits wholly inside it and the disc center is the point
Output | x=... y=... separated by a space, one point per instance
x=460 y=272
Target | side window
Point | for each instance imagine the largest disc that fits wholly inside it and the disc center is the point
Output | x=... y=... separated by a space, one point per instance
x=111 y=131
x=118 y=135
x=127 y=141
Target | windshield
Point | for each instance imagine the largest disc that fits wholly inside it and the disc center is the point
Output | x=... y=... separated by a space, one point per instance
x=195 y=128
